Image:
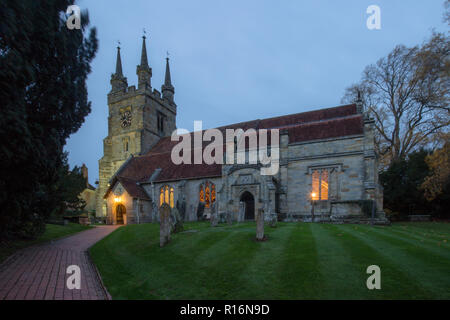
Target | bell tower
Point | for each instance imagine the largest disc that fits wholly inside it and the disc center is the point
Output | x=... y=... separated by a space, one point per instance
x=138 y=118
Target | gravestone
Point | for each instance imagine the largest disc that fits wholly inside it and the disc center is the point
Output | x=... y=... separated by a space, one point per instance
x=214 y=218
x=229 y=218
x=164 y=227
x=260 y=225
x=241 y=214
x=273 y=220
x=200 y=211
x=176 y=221
x=182 y=210
x=191 y=212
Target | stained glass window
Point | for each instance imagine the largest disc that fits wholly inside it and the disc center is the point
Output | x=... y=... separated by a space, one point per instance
x=166 y=196
x=207 y=193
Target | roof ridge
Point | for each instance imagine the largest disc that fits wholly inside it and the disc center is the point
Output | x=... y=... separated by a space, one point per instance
x=318 y=121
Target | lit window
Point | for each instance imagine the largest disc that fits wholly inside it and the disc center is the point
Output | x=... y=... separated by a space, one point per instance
x=324 y=185
x=166 y=196
x=207 y=193
x=319 y=185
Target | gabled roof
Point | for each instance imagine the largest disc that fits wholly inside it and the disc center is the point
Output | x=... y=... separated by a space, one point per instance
x=306 y=126
x=131 y=186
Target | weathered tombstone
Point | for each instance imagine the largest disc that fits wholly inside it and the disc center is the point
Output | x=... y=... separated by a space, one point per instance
x=182 y=209
x=229 y=218
x=273 y=220
x=164 y=227
x=200 y=210
x=260 y=225
x=191 y=212
x=214 y=218
x=241 y=214
x=176 y=221
x=222 y=217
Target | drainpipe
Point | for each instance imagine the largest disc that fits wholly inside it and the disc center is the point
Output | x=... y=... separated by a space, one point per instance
x=137 y=210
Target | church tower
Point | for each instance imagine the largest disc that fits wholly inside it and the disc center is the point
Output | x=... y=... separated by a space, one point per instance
x=138 y=118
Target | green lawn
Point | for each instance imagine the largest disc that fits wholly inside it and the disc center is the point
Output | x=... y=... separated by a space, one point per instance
x=299 y=261
x=52 y=232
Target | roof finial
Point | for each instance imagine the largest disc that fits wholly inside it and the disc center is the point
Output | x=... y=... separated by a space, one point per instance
x=359 y=102
x=143 y=36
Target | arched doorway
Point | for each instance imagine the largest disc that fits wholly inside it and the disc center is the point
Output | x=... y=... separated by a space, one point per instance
x=249 y=202
x=120 y=211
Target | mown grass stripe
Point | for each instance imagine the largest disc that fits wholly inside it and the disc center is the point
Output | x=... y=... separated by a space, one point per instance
x=341 y=278
x=424 y=268
x=394 y=276
x=297 y=275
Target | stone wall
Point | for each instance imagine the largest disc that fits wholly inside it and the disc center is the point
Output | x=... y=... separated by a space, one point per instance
x=139 y=137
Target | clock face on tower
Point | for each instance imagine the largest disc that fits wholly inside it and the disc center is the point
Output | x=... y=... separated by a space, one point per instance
x=125 y=119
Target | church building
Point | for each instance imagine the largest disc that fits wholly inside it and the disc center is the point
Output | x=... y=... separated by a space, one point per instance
x=327 y=166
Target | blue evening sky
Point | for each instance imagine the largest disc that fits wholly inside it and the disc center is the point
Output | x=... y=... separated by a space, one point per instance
x=233 y=61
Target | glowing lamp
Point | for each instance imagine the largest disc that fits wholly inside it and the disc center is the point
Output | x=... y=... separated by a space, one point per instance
x=116 y=199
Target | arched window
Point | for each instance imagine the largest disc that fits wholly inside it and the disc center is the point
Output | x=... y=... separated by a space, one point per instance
x=166 y=196
x=207 y=193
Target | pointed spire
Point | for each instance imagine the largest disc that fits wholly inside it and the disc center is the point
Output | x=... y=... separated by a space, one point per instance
x=144 y=60
x=118 y=81
x=143 y=71
x=118 y=63
x=167 y=88
x=167 y=79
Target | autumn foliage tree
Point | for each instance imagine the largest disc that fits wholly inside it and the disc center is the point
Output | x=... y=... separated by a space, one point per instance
x=438 y=181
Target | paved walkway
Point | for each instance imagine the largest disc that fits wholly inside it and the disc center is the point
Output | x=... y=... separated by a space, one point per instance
x=39 y=272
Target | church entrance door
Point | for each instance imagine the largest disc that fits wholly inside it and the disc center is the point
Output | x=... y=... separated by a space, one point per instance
x=249 y=202
x=120 y=211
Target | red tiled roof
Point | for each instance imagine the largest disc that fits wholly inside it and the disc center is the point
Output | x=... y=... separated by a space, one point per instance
x=340 y=127
x=312 y=125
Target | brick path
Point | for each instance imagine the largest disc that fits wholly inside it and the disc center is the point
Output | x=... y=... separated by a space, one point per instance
x=39 y=272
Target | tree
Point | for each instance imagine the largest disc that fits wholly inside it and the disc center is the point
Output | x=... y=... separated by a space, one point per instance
x=407 y=94
x=401 y=183
x=69 y=187
x=439 y=165
x=43 y=72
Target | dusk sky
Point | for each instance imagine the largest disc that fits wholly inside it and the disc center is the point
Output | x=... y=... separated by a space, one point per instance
x=233 y=61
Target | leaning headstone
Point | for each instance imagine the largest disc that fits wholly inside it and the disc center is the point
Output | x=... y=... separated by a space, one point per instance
x=260 y=225
x=164 y=227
